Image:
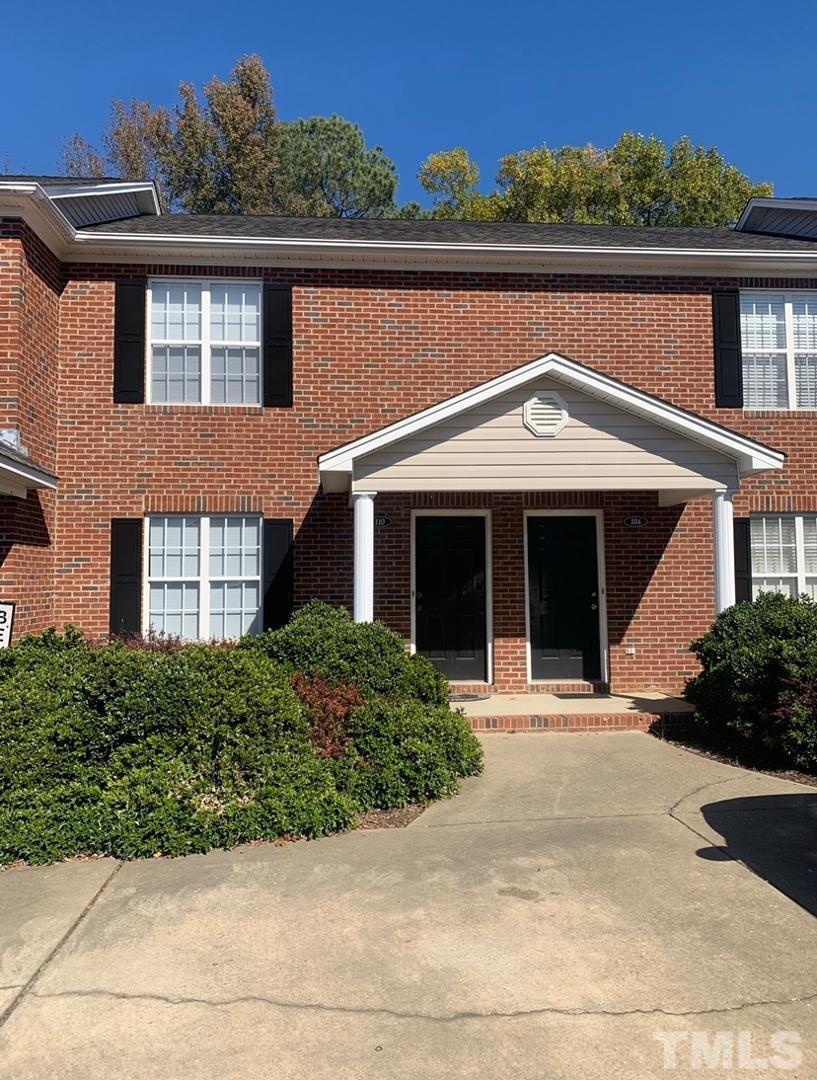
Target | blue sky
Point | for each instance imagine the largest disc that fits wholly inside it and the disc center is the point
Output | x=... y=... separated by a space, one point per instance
x=428 y=76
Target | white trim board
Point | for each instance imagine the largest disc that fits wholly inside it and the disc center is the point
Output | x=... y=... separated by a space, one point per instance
x=337 y=467
x=604 y=647
x=489 y=584
x=39 y=207
x=25 y=476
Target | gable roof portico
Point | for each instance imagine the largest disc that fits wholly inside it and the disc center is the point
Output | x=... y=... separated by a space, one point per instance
x=614 y=437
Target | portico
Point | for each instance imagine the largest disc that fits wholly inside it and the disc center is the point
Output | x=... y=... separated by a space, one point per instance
x=566 y=447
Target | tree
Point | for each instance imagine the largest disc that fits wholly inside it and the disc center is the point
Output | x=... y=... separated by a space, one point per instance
x=450 y=177
x=636 y=182
x=325 y=161
x=226 y=152
x=221 y=156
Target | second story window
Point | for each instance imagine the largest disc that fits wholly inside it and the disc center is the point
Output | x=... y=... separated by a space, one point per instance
x=205 y=342
x=779 y=346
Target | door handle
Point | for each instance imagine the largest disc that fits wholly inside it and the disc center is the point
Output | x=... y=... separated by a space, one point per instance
x=594 y=607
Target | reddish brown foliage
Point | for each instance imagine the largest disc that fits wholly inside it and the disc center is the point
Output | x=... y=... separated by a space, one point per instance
x=330 y=704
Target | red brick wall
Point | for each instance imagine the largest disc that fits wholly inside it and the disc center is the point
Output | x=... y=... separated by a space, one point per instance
x=30 y=284
x=371 y=347
x=647 y=571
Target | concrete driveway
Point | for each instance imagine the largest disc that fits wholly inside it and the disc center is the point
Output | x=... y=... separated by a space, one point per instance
x=590 y=904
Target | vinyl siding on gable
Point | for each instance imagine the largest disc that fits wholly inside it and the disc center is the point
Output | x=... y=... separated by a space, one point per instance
x=600 y=448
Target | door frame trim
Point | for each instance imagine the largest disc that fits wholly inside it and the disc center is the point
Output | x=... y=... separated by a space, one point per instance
x=489 y=586
x=600 y=569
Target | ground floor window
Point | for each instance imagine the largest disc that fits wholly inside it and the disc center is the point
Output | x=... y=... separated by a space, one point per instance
x=204 y=576
x=784 y=554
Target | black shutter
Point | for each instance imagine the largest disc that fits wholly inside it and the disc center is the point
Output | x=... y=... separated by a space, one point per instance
x=129 y=342
x=743 y=561
x=278 y=572
x=728 y=362
x=277 y=345
x=126 y=576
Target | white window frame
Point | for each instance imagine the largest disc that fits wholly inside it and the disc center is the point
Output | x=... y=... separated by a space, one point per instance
x=203 y=580
x=205 y=343
x=799 y=553
x=789 y=296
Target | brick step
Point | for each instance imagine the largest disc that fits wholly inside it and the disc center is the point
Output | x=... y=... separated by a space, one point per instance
x=576 y=722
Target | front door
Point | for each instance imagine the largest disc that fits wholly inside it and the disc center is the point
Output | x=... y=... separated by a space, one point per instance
x=564 y=598
x=450 y=594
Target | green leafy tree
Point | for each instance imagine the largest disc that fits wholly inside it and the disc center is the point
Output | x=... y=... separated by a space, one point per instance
x=638 y=181
x=325 y=161
x=450 y=177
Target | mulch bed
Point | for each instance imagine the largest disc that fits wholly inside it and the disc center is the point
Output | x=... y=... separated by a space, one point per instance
x=743 y=761
x=390 y=819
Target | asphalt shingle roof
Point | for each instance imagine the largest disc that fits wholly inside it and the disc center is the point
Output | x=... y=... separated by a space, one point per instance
x=8 y=453
x=501 y=234
x=60 y=181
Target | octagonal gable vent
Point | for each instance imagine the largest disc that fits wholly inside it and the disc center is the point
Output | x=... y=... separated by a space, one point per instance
x=545 y=414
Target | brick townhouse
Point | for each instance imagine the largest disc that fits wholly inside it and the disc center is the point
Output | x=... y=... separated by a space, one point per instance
x=541 y=453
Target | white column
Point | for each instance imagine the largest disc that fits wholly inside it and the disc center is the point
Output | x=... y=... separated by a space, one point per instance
x=724 y=550
x=364 y=555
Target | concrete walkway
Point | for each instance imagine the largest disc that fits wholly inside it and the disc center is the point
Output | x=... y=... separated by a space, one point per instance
x=650 y=701
x=586 y=900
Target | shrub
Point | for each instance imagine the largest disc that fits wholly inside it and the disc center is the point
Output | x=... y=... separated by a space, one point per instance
x=756 y=661
x=323 y=641
x=408 y=753
x=128 y=749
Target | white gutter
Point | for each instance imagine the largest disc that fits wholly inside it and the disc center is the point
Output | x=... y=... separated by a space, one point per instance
x=422 y=247
x=33 y=204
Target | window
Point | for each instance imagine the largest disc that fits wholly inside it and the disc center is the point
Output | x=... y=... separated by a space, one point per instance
x=779 y=344
x=784 y=554
x=204 y=576
x=205 y=342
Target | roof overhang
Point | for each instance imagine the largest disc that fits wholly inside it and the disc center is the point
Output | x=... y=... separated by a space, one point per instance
x=99 y=246
x=39 y=207
x=780 y=217
x=336 y=468
x=144 y=192
x=18 y=478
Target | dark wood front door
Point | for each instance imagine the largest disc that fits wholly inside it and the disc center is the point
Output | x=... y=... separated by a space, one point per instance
x=564 y=598
x=450 y=594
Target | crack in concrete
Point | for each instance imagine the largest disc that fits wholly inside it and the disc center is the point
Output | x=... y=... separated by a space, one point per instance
x=698 y=790
x=534 y=820
x=440 y=1018
x=27 y=987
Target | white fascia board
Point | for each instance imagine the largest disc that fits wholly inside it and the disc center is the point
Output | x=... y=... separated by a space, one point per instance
x=98 y=246
x=31 y=204
x=18 y=475
x=751 y=456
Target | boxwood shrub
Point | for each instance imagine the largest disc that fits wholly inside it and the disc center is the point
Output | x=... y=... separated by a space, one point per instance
x=405 y=752
x=321 y=640
x=132 y=750
x=757 y=689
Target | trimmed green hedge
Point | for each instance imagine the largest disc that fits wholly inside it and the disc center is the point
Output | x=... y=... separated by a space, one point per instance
x=130 y=751
x=757 y=690
x=323 y=641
